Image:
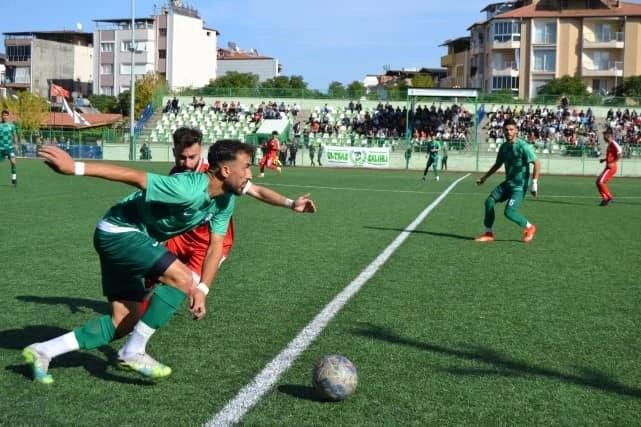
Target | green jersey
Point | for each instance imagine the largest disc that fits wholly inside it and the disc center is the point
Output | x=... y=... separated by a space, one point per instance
x=433 y=145
x=516 y=158
x=172 y=205
x=7 y=132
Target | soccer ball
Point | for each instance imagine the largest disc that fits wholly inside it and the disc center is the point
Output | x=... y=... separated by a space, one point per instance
x=334 y=378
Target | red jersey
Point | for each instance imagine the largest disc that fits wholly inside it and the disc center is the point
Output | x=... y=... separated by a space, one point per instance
x=613 y=151
x=199 y=236
x=272 y=147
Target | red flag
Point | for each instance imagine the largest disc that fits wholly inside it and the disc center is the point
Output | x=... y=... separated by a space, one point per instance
x=59 y=91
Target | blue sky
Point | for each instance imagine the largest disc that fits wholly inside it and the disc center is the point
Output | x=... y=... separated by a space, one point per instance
x=321 y=40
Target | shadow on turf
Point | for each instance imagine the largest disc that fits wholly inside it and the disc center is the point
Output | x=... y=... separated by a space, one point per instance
x=301 y=392
x=75 y=304
x=501 y=365
x=17 y=339
x=432 y=233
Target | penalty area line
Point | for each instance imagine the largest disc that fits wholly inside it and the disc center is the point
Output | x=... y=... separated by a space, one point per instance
x=249 y=395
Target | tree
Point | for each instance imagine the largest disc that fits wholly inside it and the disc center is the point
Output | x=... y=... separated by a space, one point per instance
x=31 y=110
x=104 y=103
x=422 y=80
x=356 y=89
x=632 y=86
x=236 y=80
x=337 y=90
x=565 y=85
x=144 y=92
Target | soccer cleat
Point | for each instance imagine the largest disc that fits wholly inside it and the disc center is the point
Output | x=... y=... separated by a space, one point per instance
x=437 y=179
x=488 y=236
x=528 y=233
x=423 y=179
x=279 y=170
x=39 y=364
x=606 y=202
x=262 y=175
x=144 y=364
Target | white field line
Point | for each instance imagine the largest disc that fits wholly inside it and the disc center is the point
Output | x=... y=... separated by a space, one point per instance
x=249 y=395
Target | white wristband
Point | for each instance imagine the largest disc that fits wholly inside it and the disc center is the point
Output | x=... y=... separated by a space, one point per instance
x=289 y=203
x=204 y=288
x=535 y=185
x=79 y=168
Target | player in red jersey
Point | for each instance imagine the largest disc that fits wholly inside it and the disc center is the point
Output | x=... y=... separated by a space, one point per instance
x=612 y=156
x=270 y=156
x=192 y=247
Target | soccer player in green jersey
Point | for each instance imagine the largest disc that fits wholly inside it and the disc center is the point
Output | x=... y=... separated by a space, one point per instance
x=127 y=242
x=8 y=144
x=516 y=154
x=433 y=147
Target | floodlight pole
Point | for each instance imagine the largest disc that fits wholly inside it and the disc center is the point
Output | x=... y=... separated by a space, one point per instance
x=132 y=86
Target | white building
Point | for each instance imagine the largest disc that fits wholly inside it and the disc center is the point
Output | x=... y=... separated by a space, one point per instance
x=175 y=44
x=237 y=60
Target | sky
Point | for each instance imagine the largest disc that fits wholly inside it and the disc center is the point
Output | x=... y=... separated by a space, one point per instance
x=323 y=40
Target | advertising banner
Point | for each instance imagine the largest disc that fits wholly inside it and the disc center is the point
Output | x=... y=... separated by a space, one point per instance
x=358 y=157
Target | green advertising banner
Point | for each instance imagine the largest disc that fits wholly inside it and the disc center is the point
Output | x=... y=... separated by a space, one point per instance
x=358 y=157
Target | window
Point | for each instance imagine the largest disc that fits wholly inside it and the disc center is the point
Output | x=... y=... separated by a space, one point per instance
x=505 y=83
x=505 y=31
x=545 y=33
x=107 y=90
x=107 y=47
x=139 y=69
x=106 y=68
x=603 y=33
x=18 y=53
x=162 y=54
x=601 y=61
x=128 y=45
x=544 y=60
x=162 y=32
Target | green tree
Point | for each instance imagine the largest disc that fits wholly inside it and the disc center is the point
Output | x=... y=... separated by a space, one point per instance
x=398 y=91
x=144 y=93
x=337 y=90
x=566 y=85
x=356 y=89
x=32 y=110
x=422 y=80
x=236 y=80
x=632 y=86
x=104 y=103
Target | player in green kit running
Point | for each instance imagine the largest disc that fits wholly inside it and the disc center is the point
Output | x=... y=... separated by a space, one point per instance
x=127 y=240
x=433 y=147
x=8 y=142
x=516 y=154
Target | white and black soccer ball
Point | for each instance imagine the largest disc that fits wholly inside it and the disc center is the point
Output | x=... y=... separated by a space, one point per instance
x=334 y=377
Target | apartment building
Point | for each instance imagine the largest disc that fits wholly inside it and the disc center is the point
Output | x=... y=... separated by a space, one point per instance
x=36 y=59
x=174 y=43
x=457 y=62
x=240 y=61
x=521 y=45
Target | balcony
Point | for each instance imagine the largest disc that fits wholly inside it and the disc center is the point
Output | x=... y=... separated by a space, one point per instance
x=477 y=47
x=513 y=42
x=607 y=69
x=507 y=68
x=448 y=60
x=608 y=41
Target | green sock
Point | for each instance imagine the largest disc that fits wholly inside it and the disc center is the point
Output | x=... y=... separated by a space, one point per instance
x=13 y=169
x=95 y=333
x=164 y=303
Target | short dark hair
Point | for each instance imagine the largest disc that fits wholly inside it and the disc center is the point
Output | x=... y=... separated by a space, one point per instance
x=608 y=131
x=186 y=137
x=509 y=122
x=226 y=150
x=275 y=133
x=4 y=112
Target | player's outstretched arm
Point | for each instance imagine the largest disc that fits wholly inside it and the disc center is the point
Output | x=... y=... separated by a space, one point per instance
x=489 y=173
x=301 y=204
x=61 y=162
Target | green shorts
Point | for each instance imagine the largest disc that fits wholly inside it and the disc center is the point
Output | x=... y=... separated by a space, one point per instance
x=505 y=192
x=126 y=259
x=7 y=153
